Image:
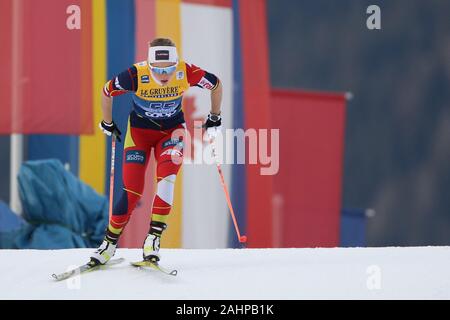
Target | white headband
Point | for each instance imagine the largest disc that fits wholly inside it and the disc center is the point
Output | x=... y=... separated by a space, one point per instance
x=162 y=54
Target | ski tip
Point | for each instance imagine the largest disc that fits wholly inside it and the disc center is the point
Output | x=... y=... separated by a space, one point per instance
x=55 y=277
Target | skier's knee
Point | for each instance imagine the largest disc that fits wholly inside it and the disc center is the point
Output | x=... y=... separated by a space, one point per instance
x=165 y=188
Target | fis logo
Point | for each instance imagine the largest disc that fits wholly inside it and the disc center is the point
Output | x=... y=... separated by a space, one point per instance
x=180 y=75
x=145 y=79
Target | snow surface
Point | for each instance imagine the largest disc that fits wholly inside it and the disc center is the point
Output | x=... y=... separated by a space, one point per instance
x=336 y=273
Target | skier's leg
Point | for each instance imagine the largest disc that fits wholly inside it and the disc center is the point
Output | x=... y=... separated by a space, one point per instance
x=135 y=160
x=169 y=157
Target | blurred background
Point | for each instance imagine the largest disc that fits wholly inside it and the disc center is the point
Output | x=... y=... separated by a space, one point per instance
x=364 y=120
x=397 y=138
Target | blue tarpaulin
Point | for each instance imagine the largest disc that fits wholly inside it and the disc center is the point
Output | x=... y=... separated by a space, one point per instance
x=10 y=226
x=61 y=210
x=9 y=220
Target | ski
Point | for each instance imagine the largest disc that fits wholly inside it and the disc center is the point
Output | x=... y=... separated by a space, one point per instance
x=155 y=266
x=90 y=266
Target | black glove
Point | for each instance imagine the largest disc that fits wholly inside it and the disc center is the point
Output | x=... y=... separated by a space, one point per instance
x=213 y=125
x=110 y=129
x=214 y=120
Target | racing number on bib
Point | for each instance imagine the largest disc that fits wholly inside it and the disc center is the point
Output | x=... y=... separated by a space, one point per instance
x=161 y=109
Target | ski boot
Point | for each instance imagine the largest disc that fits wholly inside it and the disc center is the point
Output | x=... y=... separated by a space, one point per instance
x=104 y=253
x=152 y=242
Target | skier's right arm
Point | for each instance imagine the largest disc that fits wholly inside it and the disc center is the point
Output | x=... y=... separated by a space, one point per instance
x=124 y=82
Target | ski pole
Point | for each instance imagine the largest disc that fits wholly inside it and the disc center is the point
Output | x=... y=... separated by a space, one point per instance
x=242 y=239
x=111 y=176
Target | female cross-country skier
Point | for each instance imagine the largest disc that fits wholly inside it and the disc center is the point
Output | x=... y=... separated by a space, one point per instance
x=158 y=85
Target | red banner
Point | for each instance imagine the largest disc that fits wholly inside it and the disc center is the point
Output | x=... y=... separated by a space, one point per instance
x=308 y=186
x=256 y=89
x=5 y=65
x=45 y=58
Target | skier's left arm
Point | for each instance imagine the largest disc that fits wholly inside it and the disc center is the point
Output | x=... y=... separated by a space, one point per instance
x=206 y=80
